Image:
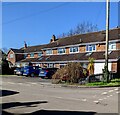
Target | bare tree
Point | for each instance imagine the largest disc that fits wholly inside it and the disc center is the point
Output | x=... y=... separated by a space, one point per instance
x=5 y=50
x=81 y=28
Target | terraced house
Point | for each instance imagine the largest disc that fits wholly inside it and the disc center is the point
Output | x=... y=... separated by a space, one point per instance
x=76 y=48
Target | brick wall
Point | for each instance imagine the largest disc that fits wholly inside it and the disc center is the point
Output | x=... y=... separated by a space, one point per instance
x=55 y=51
x=118 y=46
x=28 y=55
x=82 y=49
x=100 y=47
x=35 y=55
x=67 y=50
x=114 y=66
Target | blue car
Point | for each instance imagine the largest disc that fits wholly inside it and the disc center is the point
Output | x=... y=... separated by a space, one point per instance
x=47 y=72
x=19 y=71
x=31 y=71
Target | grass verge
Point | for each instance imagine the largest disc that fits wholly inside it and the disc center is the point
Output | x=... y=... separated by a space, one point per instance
x=114 y=82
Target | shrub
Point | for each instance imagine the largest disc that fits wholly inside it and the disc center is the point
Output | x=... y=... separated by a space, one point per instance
x=72 y=72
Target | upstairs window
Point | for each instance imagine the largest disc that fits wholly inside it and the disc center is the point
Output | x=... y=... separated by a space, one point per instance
x=90 y=48
x=40 y=54
x=31 y=54
x=74 y=49
x=61 y=50
x=112 y=46
x=48 y=52
x=25 y=55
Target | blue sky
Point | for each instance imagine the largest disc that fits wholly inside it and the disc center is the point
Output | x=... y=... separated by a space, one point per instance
x=36 y=22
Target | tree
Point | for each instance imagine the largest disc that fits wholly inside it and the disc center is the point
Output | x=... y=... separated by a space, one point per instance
x=5 y=50
x=81 y=28
x=4 y=65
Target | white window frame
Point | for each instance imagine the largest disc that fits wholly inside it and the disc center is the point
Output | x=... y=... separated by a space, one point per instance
x=89 y=48
x=50 y=65
x=31 y=56
x=49 y=52
x=73 y=49
x=40 y=53
x=111 y=45
x=62 y=49
x=11 y=55
x=62 y=65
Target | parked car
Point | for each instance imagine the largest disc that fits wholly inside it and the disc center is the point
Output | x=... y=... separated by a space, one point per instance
x=31 y=71
x=47 y=72
x=18 y=71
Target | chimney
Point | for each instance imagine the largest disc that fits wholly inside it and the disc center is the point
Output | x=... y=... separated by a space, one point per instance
x=25 y=45
x=53 y=38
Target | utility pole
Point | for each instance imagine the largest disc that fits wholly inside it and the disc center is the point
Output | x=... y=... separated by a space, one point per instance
x=106 y=74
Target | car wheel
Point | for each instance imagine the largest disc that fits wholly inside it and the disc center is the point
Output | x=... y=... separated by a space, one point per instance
x=32 y=75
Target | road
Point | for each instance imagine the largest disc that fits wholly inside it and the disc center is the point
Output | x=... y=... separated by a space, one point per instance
x=25 y=95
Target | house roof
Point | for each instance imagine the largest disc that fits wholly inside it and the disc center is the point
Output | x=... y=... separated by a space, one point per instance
x=34 y=48
x=77 y=39
x=17 y=50
x=74 y=57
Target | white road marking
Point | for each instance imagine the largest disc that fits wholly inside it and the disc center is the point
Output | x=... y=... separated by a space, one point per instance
x=111 y=95
x=59 y=97
x=104 y=93
x=96 y=102
x=20 y=83
x=10 y=82
x=33 y=83
x=110 y=91
x=100 y=99
x=69 y=98
x=116 y=89
x=117 y=92
x=27 y=85
x=84 y=99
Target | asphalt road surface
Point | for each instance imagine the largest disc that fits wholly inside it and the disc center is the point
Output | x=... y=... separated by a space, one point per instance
x=26 y=95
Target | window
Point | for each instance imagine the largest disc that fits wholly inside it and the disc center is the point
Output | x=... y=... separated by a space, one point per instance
x=25 y=55
x=11 y=55
x=90 y=48
x=50 y=65
x=74 y=49
x=48 y=52
x=61 y=50
x=40 y=54
x=62 y=65
x=31 y=54
x=112 y=46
